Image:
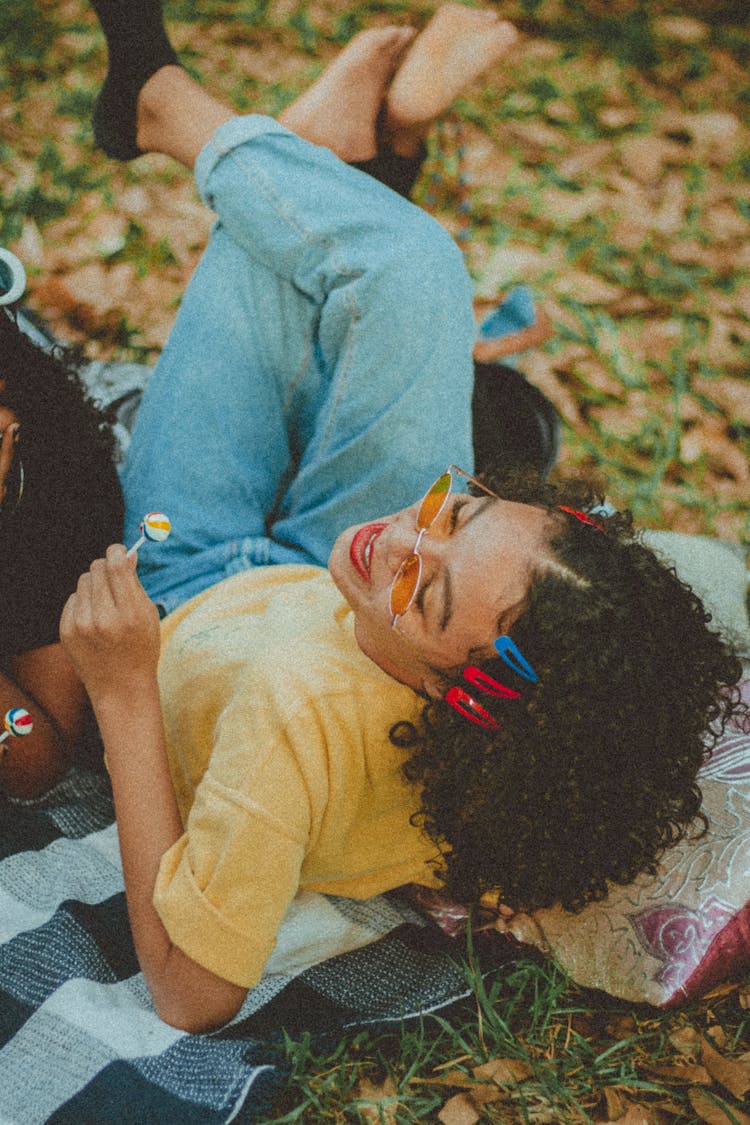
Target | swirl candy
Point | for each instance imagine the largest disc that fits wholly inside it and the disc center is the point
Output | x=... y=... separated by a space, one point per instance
x=17 y=723
x=155 y=526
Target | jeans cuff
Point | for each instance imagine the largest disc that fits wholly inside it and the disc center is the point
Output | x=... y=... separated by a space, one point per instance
x=227 y=137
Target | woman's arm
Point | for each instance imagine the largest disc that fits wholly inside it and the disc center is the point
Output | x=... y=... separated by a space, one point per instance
x=110 y=630
x=42 y=680
x=45 y=684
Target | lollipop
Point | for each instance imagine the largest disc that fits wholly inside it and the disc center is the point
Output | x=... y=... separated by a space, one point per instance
x=154 y=526
x=17 y=723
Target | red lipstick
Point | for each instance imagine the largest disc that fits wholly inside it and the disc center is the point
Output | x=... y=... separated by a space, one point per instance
x=360 y=550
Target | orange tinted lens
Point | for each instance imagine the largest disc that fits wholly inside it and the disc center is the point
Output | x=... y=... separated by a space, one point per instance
x=433 y=502
x=405 y=585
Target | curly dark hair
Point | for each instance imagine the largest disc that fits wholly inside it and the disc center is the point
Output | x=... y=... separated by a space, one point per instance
x=592 y=772
x=71 y=507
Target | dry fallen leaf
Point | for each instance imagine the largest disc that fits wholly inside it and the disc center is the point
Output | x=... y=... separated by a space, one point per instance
x=459 y=1110
x=713 y=135
x=734 y=1076
x=689 y=1074
x=455 y=1078
x=618 y=116
x=535 y=134
x=505 y=1072
x=645 y=157
x=623 y=1111
x=484 y=1093
x=714 y=1111
x=732 y=395
x=616 y=1102
x=621 y=1027
x=686 y=29
x=708 y=438
x=582 y=161
x=588 y=288
x=635 y=1115
x=687 y=1042
x=377 y=1103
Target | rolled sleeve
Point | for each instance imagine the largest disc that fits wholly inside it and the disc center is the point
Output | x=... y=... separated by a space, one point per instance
x=224 y=887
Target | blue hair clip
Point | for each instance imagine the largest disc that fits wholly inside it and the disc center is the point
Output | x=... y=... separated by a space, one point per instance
x=514 y=659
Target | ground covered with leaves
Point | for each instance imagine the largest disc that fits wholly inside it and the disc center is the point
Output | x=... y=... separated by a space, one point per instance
x=533 y=1049
x=606 y=164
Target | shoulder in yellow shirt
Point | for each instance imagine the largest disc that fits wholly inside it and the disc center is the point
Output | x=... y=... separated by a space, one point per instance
x=277 y=730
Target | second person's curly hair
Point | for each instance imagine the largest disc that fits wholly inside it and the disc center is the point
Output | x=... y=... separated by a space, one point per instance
x=592 y=773
x=71 y=507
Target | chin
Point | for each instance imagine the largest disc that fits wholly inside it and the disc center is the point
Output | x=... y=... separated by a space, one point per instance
x=338 y=557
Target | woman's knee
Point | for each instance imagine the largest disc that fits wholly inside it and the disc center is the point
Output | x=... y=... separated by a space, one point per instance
x=426 y=278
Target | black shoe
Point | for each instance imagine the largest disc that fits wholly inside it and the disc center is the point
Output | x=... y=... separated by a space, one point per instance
x=515 y=425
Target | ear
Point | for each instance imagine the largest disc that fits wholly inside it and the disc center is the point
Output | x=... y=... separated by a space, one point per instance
x=434 y=683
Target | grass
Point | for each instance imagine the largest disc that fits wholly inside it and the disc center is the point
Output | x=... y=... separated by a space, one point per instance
x=608 y=162
x=530 y=1047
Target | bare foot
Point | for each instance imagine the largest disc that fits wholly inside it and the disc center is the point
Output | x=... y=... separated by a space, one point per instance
x=457 y=46
x=522 y=340
x=176 y=116
x=340 y=109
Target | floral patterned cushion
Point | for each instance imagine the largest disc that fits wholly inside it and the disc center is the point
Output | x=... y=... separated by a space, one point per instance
x=668 y=938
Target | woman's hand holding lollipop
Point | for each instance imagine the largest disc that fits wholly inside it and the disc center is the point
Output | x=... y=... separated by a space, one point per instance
x=109 y=626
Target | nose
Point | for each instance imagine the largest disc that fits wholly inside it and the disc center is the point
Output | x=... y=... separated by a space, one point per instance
x=405 y=540
x=402 y=539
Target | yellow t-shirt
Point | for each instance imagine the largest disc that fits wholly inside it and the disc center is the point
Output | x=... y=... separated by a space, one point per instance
x=277 y=733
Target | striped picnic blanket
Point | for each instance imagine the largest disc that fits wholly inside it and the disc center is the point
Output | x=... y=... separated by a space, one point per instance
x=80 y=1041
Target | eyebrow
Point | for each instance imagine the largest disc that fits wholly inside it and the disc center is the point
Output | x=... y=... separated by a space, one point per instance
x=445 y=617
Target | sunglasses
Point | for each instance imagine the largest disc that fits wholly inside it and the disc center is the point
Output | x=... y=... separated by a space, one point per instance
x=408 y=577
x=405 y=587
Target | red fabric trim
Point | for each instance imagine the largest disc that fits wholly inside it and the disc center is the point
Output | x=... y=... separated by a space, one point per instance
x=727 y=955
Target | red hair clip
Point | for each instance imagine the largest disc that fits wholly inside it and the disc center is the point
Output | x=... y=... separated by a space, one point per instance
x=459 y=699
x=583 y=517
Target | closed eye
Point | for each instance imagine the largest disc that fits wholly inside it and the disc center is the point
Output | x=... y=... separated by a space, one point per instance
x=447 y=596
x=459 y=503
x=419 y=600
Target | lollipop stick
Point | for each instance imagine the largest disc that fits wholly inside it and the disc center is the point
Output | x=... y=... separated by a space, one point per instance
x=138 y=543
x=4 y=735
x=155 y=527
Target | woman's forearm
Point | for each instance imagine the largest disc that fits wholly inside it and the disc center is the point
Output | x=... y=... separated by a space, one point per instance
x=130 y=719
x=148 y=820
x=30 y=765
x=110 y=630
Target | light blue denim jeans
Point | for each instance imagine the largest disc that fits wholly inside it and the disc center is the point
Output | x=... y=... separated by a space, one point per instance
x=318 y=373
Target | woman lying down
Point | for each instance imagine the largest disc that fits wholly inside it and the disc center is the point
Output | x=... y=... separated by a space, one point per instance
x=374 y=669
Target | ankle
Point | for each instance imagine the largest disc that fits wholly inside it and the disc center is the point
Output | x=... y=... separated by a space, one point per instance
x=405 y=141
x=157 y=94
x=175 y=115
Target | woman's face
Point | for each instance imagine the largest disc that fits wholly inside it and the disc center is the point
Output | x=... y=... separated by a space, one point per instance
x=478 y=559
x=8 y=419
